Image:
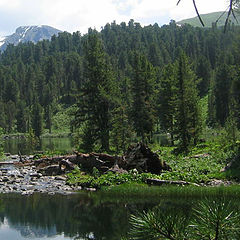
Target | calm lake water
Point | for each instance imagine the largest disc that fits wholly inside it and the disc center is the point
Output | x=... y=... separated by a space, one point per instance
x=67 y=217
x=14 y=145
x=82 y=216
x=79 y=216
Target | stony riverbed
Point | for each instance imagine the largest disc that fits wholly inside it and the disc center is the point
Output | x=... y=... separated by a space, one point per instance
x=26 y=180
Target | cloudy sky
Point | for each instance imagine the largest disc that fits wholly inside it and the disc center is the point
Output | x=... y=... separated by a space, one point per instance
x=79 y=15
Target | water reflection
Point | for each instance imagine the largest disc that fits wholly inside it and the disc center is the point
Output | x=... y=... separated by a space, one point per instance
x=28 y=232
x=77 y=216
x=14 y=145
x=40 y=216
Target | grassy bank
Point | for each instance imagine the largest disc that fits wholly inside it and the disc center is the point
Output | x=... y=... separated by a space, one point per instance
x=143 y=191
x=202 y=165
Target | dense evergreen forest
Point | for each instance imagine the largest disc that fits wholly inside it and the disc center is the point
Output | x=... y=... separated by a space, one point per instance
x=123 y=84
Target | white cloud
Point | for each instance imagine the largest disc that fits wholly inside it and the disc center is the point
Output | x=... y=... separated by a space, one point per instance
x=155 y=9
x=6 y=4
x=73 y=15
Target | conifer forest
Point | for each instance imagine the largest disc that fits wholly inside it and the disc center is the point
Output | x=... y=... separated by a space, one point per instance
x=124 y=84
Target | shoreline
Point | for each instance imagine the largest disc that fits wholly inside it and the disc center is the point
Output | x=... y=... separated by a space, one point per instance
x=16 y=177
x=19 y=174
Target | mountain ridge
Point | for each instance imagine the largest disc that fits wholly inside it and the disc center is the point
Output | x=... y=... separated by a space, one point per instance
x=24 y=34
x=210 y=18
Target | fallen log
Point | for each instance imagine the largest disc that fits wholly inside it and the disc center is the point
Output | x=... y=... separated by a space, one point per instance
x=53 y=160
x=138 y=156
x=159 y=182
x=7 y=163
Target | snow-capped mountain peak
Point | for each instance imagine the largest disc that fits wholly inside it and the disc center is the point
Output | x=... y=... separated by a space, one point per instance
x=28 y=34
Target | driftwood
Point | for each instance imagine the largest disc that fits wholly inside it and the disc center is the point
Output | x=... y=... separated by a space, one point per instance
x=7 y=163
x=138 y=157
x=141 y=157
x=54 y=160
x=100 y=161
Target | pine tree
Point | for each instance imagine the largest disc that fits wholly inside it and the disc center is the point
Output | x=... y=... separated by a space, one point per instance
x=21 y=117
x=142 y=88
x=203 y=71
x=211 y=119
x=37 y=119
x=95 y=101
x=234 y=92
x=222 y=86
x=48 y=117
x=121 y=130
x=10 y=112
x=167 y=100
x=3 y=122
x=188 y=119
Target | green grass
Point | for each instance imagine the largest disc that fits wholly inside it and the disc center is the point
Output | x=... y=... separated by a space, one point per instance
x=171 y=191
x=109 y=179
x=201 y=165
x=142 y=193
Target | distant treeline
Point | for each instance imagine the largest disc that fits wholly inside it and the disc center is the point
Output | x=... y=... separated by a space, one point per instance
x=123 y=83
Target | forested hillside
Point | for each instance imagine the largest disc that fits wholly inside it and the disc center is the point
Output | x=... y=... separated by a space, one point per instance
x=123 y=84
x=218 y=18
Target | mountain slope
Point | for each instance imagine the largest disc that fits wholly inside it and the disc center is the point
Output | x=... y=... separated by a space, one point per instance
x=210 y=18
x=28 y=33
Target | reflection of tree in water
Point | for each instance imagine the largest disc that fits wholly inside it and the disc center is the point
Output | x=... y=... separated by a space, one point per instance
x=75 y=216
x=2 y=209
x=35 y=232
x=29 y=145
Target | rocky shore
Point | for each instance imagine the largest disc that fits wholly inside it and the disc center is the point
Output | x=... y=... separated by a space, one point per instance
x=27 y=179
x=29 y=174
